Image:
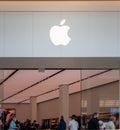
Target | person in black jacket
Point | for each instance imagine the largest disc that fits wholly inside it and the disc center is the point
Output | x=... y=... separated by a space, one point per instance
x=3 y=119
x=62 y=124
x=93 y=124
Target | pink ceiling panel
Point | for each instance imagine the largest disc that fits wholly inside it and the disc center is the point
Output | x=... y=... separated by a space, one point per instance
x=25 y=78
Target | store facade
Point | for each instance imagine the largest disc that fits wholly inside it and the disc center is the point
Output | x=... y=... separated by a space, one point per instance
x=93 y=42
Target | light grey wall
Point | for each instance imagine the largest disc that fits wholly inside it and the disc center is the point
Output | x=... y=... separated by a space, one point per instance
x=26 y=34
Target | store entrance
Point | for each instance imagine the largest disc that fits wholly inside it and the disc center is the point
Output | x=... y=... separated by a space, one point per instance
x=91 y=90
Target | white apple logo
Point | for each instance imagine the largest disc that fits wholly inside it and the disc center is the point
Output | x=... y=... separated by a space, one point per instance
x=59 y=34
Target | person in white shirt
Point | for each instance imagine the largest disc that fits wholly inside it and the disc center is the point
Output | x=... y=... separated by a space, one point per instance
x=73 y=124
x=102 y=125
x=110 y=125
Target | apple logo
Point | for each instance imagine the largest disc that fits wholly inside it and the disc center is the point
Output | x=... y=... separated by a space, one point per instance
x=59 y=34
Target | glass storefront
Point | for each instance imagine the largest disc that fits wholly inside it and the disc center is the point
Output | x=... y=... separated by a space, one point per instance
x=89 y=91
x=99 y=92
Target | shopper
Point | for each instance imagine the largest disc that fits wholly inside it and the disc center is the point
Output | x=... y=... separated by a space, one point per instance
x=62 y=124
x=93 y=124
x=3 y=119
x=110 y=125
x=1 y=124
x=73 y=124
x=13 y=125
x=34 y=125
x=102 y=125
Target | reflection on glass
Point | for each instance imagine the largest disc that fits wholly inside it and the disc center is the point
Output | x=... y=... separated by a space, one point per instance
x=99 y=92
x=109 y=103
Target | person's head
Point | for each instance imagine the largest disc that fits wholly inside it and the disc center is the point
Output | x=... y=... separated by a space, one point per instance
x=62 y=117
x=6 y=111
x=73 y=116
x=96 y=115
x=14 y=118
x=34 y=121
x=12 y=115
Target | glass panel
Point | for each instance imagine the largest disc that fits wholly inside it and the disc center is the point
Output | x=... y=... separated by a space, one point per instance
x=1 y=85
x=99 y=93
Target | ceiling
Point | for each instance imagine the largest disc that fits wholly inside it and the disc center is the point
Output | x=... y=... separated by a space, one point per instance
x=59 y=5
x=17 y=86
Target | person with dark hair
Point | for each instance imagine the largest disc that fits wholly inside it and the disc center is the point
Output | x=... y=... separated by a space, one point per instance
x=93 y=124
x=73 y=124
x=34 y=125
x=3 y=119
x=62 y=124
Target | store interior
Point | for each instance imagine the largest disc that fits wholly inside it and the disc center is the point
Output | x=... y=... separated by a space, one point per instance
x=89 y=91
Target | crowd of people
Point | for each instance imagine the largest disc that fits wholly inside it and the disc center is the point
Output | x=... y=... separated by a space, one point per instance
x=8 y=121
x=94 y=123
